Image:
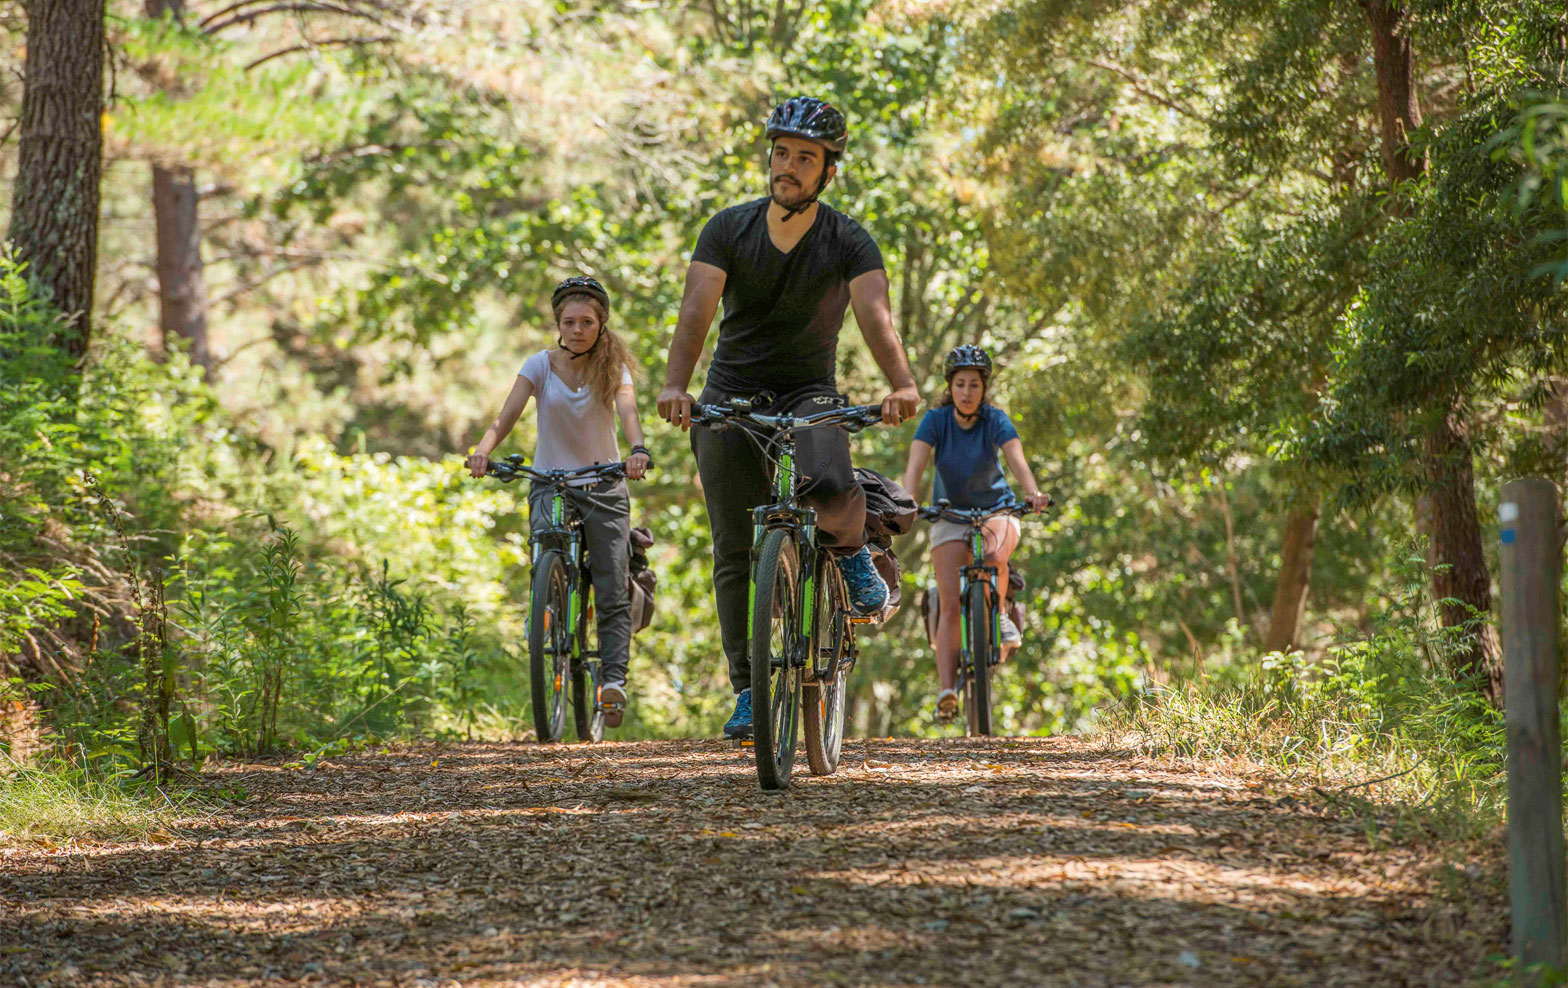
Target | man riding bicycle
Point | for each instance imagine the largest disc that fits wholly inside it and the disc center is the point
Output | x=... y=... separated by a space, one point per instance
x=787 y=267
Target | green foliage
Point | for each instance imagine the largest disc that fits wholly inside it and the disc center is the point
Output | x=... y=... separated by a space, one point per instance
x=1380 y=712
x=56 y=804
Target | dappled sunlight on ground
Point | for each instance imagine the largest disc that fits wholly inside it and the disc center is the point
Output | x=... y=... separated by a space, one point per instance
x=1016 y=862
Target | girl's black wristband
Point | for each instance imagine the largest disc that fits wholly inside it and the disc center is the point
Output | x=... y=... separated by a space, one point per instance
x=640 y=448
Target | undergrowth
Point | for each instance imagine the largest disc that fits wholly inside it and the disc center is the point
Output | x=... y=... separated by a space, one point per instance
x=56 y=804
x=1379 y=720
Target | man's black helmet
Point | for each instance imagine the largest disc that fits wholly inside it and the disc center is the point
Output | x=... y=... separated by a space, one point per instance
x=967 y=356
x=812 y=119
x=580 y=283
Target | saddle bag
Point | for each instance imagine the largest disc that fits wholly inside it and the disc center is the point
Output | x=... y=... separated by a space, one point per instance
x=890 y=512
x=1015 y=605
x=641 y=580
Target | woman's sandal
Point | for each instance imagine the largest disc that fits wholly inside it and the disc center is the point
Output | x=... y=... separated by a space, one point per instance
x=946 y=706
x=612 y=700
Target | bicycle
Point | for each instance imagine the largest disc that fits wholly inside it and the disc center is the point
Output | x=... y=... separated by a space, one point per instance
x=559 y=609
x=800 y=655
x=979 y=617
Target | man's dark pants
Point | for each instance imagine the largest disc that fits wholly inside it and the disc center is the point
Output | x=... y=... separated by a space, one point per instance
x=736 y=478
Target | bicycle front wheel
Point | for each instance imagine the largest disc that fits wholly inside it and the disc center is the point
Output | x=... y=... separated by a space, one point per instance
x=549 y=645
x=586 y=713
x=775 y=653
x=822 y=701
x=977 y=691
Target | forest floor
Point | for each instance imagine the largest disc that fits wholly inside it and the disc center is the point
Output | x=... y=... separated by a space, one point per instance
x=1060 y=861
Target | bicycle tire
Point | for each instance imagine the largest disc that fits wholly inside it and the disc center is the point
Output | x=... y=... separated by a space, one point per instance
x=977 y=695
x=587 y=717
x=822 y=703
x=549 y=646
x=775 y=632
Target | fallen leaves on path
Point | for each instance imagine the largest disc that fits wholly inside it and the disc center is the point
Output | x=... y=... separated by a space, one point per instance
x=954 y=862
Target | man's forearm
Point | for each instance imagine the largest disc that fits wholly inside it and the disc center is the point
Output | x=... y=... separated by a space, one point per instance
x=888 y=351
x=685 y=349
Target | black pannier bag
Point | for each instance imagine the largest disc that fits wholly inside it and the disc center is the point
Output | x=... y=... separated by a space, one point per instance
x=890 y=511
x=642 y=579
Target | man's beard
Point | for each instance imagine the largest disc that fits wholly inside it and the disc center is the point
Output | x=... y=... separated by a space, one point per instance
x=787 y=194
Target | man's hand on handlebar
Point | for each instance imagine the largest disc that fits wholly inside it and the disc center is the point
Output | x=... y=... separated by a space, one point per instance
x=900 y=405
x=675 y=407
x=478 y=464
x=1038 y=501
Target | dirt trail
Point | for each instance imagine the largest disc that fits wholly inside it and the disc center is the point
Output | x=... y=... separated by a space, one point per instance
x=1025 y=862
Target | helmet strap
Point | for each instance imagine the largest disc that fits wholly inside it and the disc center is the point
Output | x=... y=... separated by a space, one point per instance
x=561 y=342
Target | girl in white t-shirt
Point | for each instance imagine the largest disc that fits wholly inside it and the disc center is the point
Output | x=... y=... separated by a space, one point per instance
x=579 y=388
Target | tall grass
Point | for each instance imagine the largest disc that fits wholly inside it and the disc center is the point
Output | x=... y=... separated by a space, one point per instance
x=49 y=806
x=1378 y=717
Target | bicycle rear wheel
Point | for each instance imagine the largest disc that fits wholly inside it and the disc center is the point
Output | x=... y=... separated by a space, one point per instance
x=775 y=647
x=977 y=691
x=822 y=702
x=549 y=645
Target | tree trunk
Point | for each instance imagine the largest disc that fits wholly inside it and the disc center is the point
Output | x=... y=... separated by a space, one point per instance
x=1295 y=576
x=1398 y=112
x=54 y=205
x=1460 y=575
x=1461 y=582
x=182 y=292
x=1555 y=416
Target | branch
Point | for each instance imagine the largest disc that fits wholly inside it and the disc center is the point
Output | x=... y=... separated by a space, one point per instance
x=311 y=45
x=305 y=6
x=230 y=296
x=1139 y=87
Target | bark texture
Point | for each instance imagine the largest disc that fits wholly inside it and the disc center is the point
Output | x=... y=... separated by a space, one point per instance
x=54 y=205
x=1295 y=576
x=182 y=290
x=1461 y=577
x=1399 y=112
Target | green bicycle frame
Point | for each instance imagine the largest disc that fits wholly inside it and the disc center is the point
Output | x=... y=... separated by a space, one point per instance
x=977 y=547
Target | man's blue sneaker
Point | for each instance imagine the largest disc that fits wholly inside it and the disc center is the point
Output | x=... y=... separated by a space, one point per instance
x=867 y=590
x=739 y=724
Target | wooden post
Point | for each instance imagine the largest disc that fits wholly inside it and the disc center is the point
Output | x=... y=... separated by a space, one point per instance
x=1531 y=563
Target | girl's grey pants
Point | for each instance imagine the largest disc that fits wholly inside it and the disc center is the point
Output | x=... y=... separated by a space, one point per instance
x=605 y=510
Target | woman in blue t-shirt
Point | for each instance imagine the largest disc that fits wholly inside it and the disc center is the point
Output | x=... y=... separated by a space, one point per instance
x=965 y=432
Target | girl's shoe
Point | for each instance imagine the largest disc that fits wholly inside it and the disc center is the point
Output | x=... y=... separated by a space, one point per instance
x=1010 y=633
x=946 y=706
x=612 y=700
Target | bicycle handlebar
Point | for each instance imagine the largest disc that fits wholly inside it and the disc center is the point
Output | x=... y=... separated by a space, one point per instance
x=943 y=511
x=852 y=418
x=513 y=468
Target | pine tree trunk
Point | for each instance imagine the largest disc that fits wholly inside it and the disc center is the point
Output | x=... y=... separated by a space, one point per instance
x=54 y=205
x=1461 y=579
x=1295 y=576
x=182 y=291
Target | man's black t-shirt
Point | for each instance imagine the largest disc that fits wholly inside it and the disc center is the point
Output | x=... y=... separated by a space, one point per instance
x=782 y=312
